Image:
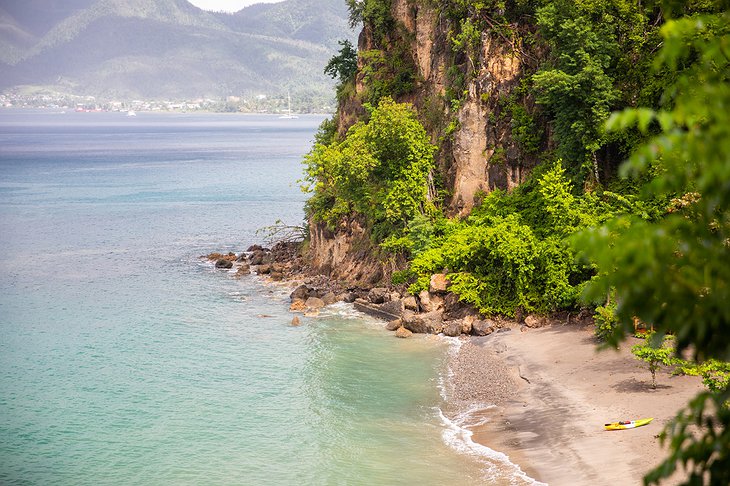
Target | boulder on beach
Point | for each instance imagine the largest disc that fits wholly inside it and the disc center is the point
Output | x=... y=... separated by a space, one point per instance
x=427 y=323
x=393 y=325
x=301 y=292
x=403 y=333
x=298 y=306
x=329 y=298
x=264 y=269
x=452 y=328
x=483 y=327
x=314 y=303
x=394 y=307
x=430 y=302
x=410 y=303
x=533 y=321
x=378 y=295
x=439 y=283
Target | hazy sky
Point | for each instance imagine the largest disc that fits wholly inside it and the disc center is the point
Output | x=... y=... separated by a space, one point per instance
x=227 y=5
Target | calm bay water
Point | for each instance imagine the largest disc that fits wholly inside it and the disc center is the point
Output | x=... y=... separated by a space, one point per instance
x=124 y=358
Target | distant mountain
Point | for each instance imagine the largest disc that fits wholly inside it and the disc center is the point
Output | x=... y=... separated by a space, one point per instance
x=169 y=48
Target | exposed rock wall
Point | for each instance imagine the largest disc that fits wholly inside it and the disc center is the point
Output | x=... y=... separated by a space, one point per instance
x=478 y=156
x=346 y=255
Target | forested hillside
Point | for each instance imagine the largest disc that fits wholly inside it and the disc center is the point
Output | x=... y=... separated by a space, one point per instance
x=169 y=48
x=488 y=140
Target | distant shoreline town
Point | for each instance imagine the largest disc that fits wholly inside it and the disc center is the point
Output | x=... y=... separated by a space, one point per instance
x=258 y=103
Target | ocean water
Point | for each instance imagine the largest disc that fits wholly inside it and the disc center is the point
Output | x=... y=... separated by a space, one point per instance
x=126 y=359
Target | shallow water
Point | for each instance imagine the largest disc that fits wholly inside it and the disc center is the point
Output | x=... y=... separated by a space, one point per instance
x=125 y=358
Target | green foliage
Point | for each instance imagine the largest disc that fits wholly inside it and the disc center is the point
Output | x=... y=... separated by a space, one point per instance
x=510 y=253
x=380 y=171
x=605 y=320
x=673 y=271
x=705 y=456
x=523 y=127
x=655 y=354
x=592 y=43
x=388 y=74
x=715 y=375
x=375 y=13
x=343 y=66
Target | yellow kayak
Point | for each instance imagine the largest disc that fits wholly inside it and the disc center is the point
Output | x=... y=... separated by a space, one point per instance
x=628 y=424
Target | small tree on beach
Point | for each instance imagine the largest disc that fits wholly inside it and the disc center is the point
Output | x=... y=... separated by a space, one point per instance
x=655 y=354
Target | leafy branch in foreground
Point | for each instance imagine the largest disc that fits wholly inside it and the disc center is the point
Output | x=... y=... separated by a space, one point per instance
x=673 y=272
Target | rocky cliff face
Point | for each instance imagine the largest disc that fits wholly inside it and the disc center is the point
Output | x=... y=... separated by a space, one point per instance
x=477 y=152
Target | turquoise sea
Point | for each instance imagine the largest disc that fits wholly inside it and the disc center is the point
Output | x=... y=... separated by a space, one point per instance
x=126 y=359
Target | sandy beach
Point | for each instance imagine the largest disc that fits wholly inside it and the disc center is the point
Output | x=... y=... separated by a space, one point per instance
x=554 y=391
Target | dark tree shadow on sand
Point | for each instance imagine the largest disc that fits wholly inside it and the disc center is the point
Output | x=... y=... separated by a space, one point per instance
x=635 y=386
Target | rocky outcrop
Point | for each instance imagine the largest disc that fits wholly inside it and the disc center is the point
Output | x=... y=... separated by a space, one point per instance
x=346 y=255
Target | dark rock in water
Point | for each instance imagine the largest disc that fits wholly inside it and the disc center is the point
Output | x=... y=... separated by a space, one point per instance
x=430 y=322
x=259 y=258
x=301 y=292
x=483 y=327
x=222 y=263
x=452 y=328
x=393 y=325
x=264 y=269
x=378 y=295
x=242 y=258
x=254 y=248
x=403 y=333
x=243 y=269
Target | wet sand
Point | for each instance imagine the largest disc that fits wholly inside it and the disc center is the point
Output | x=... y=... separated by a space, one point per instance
x=554 y=391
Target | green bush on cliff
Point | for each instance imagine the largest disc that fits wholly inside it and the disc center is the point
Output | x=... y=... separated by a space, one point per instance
x=511 y=252
x=592 y=46
x=379 y=171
